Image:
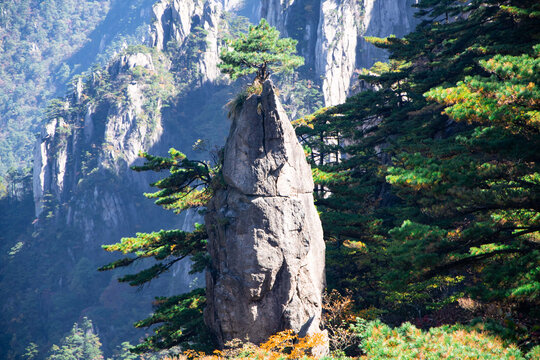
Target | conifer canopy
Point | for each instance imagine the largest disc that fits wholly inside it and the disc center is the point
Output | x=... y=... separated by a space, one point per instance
x=260 y=51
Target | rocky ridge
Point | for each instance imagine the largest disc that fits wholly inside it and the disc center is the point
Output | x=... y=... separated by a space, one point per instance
x=265 y=237
x=91 y=140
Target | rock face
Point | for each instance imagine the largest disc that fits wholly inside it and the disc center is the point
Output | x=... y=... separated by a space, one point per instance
x=176 y=20
x=330 y=35
x=330 y=38
x=81 y=148
x=275 y=12
x=265 y=236
x=337 y=39
x=384 y=18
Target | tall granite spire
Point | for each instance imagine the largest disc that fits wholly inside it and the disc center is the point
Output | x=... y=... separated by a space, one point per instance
x=265 y=236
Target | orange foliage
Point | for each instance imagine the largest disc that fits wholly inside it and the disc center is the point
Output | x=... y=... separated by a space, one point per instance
x=338 y=315
x=283 y=345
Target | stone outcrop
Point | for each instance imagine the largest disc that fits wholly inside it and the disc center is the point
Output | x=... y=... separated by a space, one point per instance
x=265 y=236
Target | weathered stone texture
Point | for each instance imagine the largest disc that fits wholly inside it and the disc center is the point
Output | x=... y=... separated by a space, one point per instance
x=175 y=20
x=265 y=236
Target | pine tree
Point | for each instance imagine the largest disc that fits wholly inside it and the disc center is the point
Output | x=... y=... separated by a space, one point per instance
x=80 y=344
x=260 y=51
x=437 y=195
x=190 y=184
x=489 y=187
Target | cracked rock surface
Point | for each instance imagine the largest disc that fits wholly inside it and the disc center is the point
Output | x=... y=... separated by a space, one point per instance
x=265 y=236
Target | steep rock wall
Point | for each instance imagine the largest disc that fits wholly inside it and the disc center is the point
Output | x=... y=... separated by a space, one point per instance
x=265 y=236
x=176 y=20
x=383 y=18
x=298 y=19
x=86 y=196
x=337 y=38
x=331 y=40
x=275 y=12
x=86 y=143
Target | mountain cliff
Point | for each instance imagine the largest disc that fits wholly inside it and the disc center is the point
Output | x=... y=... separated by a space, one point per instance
x=330 y=41
x=176 y=20
x=93 y=135
x=97 y=133
x=45 y=43
x=330 y=34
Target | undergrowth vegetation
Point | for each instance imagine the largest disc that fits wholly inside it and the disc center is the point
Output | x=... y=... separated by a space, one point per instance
x=377 y=341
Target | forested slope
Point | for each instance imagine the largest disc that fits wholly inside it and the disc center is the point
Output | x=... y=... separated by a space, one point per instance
x=43 y=45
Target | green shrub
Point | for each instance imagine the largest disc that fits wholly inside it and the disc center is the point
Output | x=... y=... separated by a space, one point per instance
x=534 y=354
x=380 y=341
x=235 y=105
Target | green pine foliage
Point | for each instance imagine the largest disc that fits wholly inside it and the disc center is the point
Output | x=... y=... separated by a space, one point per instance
x=428 y=187
x=190 y=184
x=379 y=341
x=508 y=98
x=81 y=344
x=181 y=324
x=260 y=51
x=496 y=181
